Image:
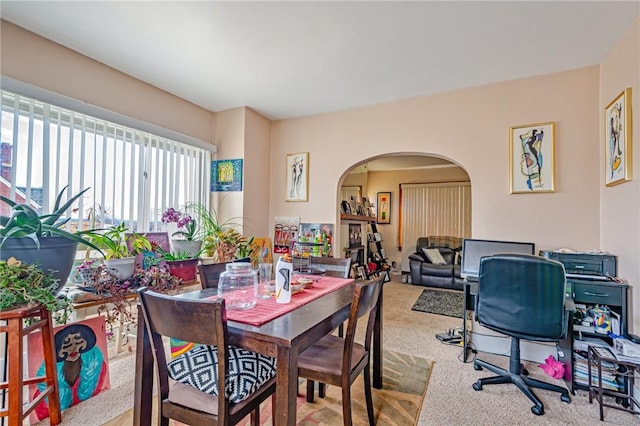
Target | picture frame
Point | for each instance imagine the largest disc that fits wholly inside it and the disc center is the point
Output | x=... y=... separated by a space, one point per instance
x=345 y=208
x=618 y=140
x=297 y=177
x=146 y=259
x=532 y=158
x=226 y=175
x=361 y=272
x=355 y=235
x=384 y=208
x=354 y=270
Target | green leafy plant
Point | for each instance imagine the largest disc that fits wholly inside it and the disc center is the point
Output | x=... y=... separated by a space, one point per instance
x=116 y=243
x=25 y=221
x=213 y=231
x=177 y=255
x=120 y=309
x=24 y=284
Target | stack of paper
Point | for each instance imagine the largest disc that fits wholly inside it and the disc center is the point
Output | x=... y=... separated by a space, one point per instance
x=609 y=374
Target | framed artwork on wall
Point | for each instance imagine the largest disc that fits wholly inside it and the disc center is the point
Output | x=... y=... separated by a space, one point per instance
x=618 y=143
x=226 y=175
x=297 y=182
x=384 y=207
x=531 y=165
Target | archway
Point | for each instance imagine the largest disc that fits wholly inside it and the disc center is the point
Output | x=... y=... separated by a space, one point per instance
x=385 y=173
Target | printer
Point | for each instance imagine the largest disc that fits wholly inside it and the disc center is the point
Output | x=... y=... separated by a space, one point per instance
x=588 y=266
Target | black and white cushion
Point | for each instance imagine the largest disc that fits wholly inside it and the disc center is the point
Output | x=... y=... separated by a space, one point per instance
x=247 y=371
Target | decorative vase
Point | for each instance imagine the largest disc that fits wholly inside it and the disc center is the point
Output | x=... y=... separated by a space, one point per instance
x=183 y=269
x=122 y=268
x=55 y=254
x=191 y=247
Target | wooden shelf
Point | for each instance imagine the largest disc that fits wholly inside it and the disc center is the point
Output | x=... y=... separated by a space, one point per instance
x=357 y=217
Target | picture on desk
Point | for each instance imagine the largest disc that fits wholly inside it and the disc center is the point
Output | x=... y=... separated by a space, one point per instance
x=82 y=364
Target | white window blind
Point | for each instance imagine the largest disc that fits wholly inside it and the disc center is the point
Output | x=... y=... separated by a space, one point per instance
x=442 y=209
x=133 y=175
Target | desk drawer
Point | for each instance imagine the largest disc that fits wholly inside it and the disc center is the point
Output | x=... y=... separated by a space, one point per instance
x=598 y=294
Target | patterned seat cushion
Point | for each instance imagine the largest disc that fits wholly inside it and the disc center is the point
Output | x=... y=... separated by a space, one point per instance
x=199 y=368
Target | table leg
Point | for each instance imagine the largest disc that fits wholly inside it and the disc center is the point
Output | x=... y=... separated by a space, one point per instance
x=143 y=388
x=377 y=345
x=286 y=386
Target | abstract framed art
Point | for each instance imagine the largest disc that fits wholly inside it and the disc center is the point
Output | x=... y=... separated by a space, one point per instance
x=618 y=143
x=531 y=154
x=384 y=208
x=226 y=175
x=297 y=172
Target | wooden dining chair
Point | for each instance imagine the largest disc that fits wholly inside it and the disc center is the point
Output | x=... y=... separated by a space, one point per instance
x=339 y=361
x=210 y=274
x=249 y=378
x=333 y=266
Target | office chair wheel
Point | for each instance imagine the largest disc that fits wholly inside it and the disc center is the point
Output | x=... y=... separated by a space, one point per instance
x=477 y=386
x=565 y=398
x=538 y=410
x=477 y=367
x=524 y=371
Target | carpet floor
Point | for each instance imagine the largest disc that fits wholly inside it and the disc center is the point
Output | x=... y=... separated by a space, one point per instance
x=449 y=400
x=441 y=302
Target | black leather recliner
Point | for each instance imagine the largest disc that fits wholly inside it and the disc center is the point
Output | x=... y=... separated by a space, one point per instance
x=521 y=296
x=425 y=273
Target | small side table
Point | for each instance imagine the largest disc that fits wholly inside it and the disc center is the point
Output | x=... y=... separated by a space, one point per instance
x=629 y=402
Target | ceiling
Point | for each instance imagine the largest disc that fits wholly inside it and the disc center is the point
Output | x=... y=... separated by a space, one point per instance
x=291 y=59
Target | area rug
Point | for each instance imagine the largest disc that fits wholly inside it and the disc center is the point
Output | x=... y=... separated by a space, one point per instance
x=440 y=302
x=398 y=403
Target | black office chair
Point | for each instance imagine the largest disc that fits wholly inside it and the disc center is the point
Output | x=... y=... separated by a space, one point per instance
x=521 y=296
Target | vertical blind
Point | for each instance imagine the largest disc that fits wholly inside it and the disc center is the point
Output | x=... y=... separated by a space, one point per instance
x=434 y=209
x=133 y=175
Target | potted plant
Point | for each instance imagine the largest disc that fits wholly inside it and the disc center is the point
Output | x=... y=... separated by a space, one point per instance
x=119 y=246
x=22 y=284
x=214 y=233
x=189 y=240
x=40 y=239
x=120 y=308
x=181 y=264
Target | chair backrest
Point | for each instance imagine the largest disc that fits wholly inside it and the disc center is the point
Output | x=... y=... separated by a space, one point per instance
x=522 y=296
x=198 y=321
x=210 y=274
x=334 y=266
x=365 y=299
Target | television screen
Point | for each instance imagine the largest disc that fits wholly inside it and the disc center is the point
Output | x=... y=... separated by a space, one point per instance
x=473 y=250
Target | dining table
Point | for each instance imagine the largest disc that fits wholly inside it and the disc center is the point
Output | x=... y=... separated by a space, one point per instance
x=284 y=337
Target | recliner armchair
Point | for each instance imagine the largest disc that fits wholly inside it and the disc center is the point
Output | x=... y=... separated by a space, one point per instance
x=521 y=296
x=426 y=273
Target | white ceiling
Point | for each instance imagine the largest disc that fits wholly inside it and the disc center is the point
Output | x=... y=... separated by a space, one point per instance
x=288 y=59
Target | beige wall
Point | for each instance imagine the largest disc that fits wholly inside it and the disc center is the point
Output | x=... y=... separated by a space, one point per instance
x=32 y=59
x=471 y=128
x=620 y=204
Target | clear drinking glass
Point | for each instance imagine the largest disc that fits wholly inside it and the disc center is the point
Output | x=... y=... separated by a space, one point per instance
x=264 y=270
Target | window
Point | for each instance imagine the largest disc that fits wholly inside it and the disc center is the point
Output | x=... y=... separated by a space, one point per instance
x=133 y=175
x=442 y=209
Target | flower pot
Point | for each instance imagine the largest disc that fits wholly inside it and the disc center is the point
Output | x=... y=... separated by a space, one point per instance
x=183 y=269
x=191 y=247
x=55 y=254
x=122 y=268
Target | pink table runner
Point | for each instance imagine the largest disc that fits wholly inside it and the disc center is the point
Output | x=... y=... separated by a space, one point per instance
x=266 y=310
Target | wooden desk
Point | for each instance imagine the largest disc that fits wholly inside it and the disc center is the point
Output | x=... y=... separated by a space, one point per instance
x=284 y=338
